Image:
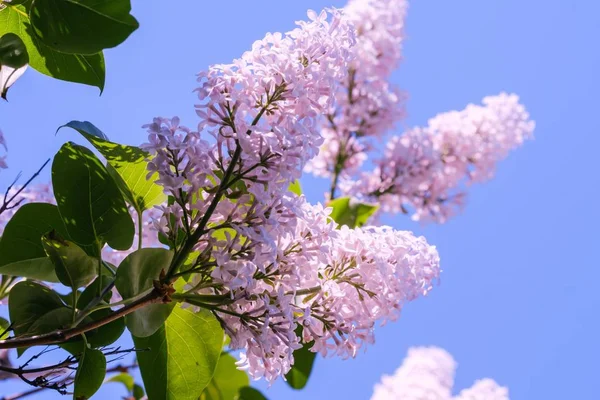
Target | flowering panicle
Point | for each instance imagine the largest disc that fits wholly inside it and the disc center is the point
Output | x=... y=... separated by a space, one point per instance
x=428 y=373
x=335 y=283
x=366 y=104
x=425 y=170
x=261 y=110
x=268 y=101
x=262 y=259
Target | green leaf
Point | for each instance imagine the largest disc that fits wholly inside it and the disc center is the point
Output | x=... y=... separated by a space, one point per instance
x=296 y=188
x=138 y=392
x=40 y=269
x=106 y=334
x=28 y=302
x=92 y=290
x=13 y=52
x=86 y=69
x=22 y=237
x=249 y=393
x=304 y=359
x=82 y=26
x=74 y=268
x=227 y=381
x=135 y=275
x=182 y=357
x=58 y=318
x=89 y=201
x=90 y=374
x=4 y=325
x=13 y=61
x=128 y=166
x=125 y=379
x=354 y=214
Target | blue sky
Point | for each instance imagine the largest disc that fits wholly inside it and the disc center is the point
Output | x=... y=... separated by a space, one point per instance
x=518 y=300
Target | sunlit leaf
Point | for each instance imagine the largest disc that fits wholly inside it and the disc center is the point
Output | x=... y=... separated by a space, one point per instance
x=90 y=203
x=123 y=378
x=86 y=69
x=127 y=164
x=348 y=212
x=182 y=356
x=227 y=381
x=82 y=26
x=295 y=187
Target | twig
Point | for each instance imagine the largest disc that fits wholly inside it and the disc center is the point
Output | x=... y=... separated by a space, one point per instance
x=60 y=336
x=6 y=205
x=66 y=381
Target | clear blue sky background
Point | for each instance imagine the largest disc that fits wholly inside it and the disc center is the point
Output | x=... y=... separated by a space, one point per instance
x=519 y=297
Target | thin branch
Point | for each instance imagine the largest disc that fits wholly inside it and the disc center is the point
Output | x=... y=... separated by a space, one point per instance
x=66 y=381
x=6 y=205
x=60 y=336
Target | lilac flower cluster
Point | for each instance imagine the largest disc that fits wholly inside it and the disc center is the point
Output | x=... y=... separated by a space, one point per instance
x=366 y=104
x=262 y=259
x=334 y=283
x=426 y=169
x=423 y=171
x=428 y=373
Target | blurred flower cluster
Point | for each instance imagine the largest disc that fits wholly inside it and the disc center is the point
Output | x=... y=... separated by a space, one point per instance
x=428 y=373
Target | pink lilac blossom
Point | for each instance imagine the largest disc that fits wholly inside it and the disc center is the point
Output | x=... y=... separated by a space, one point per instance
x=335 y=283
x=268 y=102
x=426 y=170
x=263 y=260
x=366 y=104
x=427 y=373
x=3 y=164
x=261 y=110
